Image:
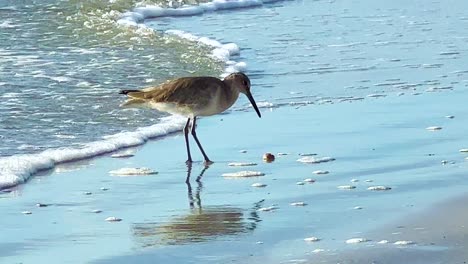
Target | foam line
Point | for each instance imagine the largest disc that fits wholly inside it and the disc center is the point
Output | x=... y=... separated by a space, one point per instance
x=221 y=52
x=19 y=168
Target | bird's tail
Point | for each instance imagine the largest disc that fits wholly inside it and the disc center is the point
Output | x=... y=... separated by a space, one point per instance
x=128 y=91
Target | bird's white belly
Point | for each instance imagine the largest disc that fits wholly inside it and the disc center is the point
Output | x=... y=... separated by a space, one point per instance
x=211 y=109
x=186 y=110
x=172 y=108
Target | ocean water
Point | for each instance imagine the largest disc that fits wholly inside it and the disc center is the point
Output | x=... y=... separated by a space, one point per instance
x=62 y=65
x=63 y=62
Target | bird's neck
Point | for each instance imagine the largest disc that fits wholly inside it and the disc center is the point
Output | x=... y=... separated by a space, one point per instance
x=230 y=94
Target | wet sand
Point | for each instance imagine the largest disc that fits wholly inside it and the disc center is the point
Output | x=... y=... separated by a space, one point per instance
x=441 y=233
x=216 y=219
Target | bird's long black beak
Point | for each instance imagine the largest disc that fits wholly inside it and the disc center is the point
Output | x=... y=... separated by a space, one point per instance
x=252 y=101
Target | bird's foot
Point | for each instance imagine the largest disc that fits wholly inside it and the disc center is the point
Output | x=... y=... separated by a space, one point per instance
x=208 y=162
x=189 y=162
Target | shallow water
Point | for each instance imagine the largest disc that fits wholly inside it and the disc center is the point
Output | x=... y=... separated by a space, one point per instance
x=215 y=219
x=299 y=51
x=62 y=64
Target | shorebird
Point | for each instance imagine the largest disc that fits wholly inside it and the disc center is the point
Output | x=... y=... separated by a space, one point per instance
x=193 y=97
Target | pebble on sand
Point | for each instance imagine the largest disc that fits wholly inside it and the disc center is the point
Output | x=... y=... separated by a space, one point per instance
x=356 y=240
x=346 y=187
x=300 y=183
x=379 y=188
x=26 y=212
x=298 y=204
x=113 y=219
x=357 y=208
x=104 y=188
x=282 y=154
x=433 y=128
x=259 y=185
x=242 y=164
x=368 y=180
x=309 y=180
x=383 y=242
x=243 y=151
x=242 y=174
x=311 y=239
x=133 y=171
x=41 y=205
x=404 y=242
x=315 y=159
x=87 y=193
x=318 y=250
x=354 y=180
x=463 y=150
x=96 y=211
x=450 y=116
x=318 y=172
x=268 y=157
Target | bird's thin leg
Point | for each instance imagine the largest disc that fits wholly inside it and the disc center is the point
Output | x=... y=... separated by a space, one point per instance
x=186 y=131
x=194 y=134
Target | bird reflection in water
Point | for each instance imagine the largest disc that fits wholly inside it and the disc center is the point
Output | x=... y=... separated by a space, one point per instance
x=202 y=223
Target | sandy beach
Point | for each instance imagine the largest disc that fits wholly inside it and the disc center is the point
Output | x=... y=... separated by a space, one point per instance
x=220 y=219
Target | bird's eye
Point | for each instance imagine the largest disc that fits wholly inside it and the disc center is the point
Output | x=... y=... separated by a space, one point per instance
x=244 y=83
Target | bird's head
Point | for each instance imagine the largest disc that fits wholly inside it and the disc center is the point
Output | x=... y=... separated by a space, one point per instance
x=241 y=82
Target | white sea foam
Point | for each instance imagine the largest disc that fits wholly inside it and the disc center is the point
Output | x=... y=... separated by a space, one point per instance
x=379 y=188
x=311 y=239
x=7 y=24
x=346 y=187
x=318 y=172
x=132 y=171
x=242 y=174
x=298 y=204
x=17 y=169
x=268 y=209
x=113 y=219
x=259 y=185
x=404 y=242
x=222 y=52
x=242 y=164
x=315 y=159
x=356 y=240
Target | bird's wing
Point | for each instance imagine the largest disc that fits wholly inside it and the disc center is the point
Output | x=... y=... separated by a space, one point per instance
x=186 y=91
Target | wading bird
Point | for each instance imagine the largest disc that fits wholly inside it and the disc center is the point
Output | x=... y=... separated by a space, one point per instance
x=193 y=97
